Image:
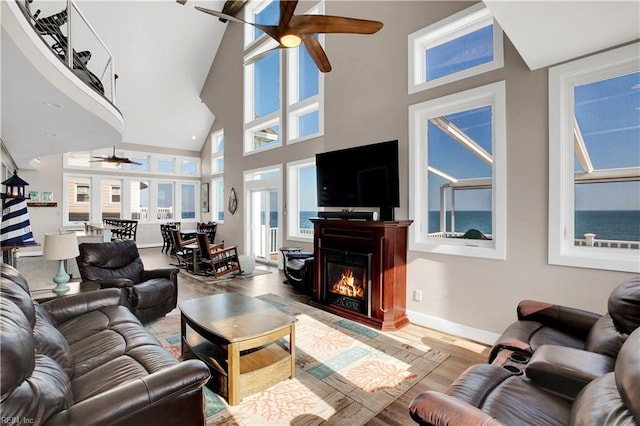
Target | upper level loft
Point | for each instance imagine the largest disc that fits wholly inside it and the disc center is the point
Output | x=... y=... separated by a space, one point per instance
x=58 y=82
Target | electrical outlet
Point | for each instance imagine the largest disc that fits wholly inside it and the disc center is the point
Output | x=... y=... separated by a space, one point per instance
x=417 y=295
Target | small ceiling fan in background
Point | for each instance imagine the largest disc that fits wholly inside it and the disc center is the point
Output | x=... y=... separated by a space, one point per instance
x=292 y=30
x=113 y=159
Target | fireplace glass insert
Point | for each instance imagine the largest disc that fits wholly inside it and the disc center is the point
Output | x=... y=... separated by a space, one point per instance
x=347 y=281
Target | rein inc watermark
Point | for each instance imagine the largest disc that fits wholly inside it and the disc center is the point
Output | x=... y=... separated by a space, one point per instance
x=16 y=420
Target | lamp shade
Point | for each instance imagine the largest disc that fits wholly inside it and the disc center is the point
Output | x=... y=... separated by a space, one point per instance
x=60 y=246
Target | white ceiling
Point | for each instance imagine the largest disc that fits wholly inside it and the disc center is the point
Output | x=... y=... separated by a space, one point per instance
x=163 y=52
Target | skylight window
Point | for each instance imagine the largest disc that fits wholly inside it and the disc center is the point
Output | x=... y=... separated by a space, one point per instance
x=462 y=45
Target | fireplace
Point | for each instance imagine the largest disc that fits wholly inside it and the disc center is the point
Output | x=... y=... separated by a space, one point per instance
x=347 y=281
x=359 y=270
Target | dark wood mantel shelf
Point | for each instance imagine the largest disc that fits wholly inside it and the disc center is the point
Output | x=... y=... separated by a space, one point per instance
x=387 y=241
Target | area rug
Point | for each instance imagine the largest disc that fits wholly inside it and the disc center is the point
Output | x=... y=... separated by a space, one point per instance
x=346 y=373
x=208 y=279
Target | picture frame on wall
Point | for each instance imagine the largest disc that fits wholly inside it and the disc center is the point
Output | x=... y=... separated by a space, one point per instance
x=34 y=195
x=47 y=196
x=204 y=197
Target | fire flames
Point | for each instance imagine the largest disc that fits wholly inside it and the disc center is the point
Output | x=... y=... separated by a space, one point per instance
x=346 y=285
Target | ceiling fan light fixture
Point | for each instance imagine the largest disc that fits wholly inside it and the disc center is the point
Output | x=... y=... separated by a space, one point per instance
x=290 y=40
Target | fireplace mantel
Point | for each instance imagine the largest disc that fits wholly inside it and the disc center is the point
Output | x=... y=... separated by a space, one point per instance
x=387 y=241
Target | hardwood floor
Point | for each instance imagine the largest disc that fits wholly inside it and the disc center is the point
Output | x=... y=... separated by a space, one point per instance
x=463 y=353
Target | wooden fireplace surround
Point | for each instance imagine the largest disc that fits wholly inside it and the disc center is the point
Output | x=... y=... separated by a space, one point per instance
x=387 y=240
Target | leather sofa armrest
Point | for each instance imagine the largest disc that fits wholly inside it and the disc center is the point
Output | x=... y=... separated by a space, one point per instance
x=115 y=405
x=435 y=408
x=65 y=308
x=566 y=370
x=572 y=320
x=169 y=273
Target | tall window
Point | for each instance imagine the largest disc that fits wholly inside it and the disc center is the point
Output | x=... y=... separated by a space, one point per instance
x=110 y=198
x=165 y=201
x=139 y=200
x=464 y=44
x=217 y=181
x=188 y=195
x=594 y=161
x=265 y=80
x=302 y=201
x=458 y=173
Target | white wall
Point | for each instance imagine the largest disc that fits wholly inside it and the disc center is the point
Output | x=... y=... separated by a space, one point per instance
x=366 y=101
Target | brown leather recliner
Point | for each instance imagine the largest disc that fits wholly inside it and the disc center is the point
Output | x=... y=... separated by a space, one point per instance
x=149 y=294
x=87 y=360
x=542 y=323
x=487 y=394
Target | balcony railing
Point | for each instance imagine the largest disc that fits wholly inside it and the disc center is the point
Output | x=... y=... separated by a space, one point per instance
x=63 y=27
x=589 y=240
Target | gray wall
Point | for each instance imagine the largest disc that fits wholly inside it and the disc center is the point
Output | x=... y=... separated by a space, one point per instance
x=366 y=101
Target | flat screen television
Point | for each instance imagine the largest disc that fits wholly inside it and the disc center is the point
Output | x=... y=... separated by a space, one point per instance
x=364 y=176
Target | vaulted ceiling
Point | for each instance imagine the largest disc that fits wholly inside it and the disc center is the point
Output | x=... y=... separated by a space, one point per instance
x=163 y=51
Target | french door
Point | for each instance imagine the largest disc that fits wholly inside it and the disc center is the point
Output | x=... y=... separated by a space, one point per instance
x=264 y=218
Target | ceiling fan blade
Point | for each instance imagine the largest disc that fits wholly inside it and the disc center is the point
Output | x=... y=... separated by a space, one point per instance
x=259 y=56
x=286 y=13
x=270 y=30
x=310 y=24
x=316 y=52
x=181 y=1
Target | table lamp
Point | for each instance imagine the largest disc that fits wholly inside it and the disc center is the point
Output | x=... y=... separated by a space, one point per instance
x=61 y=247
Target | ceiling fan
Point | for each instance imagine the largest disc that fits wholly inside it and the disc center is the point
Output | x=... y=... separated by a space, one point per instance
x=292 y=30
x=113 y=159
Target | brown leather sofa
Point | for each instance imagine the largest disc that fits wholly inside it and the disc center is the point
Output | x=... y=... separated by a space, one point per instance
x=542 y=323
x=487 y=394
x=87 y=360
x=149 y=294
x=556 y=365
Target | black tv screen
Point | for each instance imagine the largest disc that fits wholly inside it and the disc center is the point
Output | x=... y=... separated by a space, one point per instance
x=364 y=176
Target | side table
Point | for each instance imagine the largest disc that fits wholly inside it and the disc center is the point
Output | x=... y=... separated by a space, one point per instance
x=76 y=287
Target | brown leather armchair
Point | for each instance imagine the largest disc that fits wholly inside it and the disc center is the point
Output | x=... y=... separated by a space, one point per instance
x=487 y=394
x=149 y=294
x=542 y=323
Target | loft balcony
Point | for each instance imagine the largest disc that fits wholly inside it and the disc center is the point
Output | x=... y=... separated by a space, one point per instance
x=58 y=82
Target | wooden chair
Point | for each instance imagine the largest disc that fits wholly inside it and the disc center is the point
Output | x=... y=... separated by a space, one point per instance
x=183 y=256
x=219 y=260
x=208 y=228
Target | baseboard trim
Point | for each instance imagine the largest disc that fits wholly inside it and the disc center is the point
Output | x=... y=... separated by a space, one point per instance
x=454 y=328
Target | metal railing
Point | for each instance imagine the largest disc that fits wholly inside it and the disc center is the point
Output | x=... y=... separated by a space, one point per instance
x=69 y=35
x=589 y=240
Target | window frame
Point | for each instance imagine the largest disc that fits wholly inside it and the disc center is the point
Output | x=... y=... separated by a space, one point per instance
x=216 y=206
x=451 y=28
x=562 y=81
x=419 y=114
x=293 y=201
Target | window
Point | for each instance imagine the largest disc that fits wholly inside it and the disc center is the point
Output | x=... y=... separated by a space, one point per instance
x=82 y=193
x=267 y=75
x=188 y=194
x=217 y=196
x=115 y=194
x=189 y=167
x=139 y=200
x=305 y=90
x=217 y=152
x=166 y=165
x=302 y=201
x=164 y=207
x=594 y=161
x=458 y=173
x=464 y=44
x=262 y=105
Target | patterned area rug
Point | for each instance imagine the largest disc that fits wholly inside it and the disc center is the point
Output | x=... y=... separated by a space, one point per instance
x=213 y=280
x=346 y=373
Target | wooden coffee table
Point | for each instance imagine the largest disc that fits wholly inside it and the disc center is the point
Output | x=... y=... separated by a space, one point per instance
x=241 y=339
